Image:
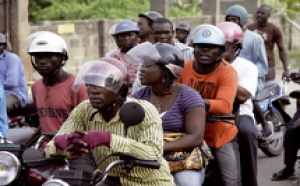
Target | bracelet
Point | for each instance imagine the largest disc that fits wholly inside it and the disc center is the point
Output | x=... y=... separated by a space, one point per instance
x=288 y=67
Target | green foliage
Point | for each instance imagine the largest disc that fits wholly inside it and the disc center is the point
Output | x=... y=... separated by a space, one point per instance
x=292 y=7
x=41 y=10
x=186 y=8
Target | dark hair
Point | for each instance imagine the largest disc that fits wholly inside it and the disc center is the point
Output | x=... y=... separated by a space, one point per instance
x=162 y=21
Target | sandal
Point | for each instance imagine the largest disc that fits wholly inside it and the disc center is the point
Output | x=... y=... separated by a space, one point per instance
x=282 y=175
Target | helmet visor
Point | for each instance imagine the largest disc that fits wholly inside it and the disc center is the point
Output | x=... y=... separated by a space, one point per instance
x=100 y=73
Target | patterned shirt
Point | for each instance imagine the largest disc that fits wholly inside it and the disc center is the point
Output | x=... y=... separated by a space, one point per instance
x=144 y=140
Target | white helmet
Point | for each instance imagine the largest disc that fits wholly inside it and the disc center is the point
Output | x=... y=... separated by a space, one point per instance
x=48 y=42
x=210 y=34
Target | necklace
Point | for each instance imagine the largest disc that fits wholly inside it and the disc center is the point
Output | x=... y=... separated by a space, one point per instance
x=158 y=107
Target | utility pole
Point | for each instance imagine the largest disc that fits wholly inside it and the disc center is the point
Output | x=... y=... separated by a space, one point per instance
x=161 y=6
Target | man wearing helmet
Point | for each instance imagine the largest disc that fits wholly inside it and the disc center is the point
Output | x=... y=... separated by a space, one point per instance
x=95 y=126
x=126 y=36
x=145 y=25
x=254 y=51
x=53 y=93
x=182 y=31
x=253 y=45
x=216 y=81
x=247 y=84
x=12 y=72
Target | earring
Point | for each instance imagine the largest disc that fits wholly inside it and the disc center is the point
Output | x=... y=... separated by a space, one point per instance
x=163 y=79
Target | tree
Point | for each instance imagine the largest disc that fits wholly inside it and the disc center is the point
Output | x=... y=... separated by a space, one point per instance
x=186 y=8
x=40 y=10
x=290 y=9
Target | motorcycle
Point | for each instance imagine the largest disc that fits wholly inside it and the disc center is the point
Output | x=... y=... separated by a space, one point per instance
x=27 y=116
x=66 y=177
x=13 y=169
x=270 y=104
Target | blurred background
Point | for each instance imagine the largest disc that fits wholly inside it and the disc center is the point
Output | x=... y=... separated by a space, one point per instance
x=84 y=24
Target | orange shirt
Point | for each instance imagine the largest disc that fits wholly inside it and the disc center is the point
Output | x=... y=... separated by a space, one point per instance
x=219 y=88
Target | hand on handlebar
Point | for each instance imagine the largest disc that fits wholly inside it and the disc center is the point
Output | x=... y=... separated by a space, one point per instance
x=286 y=75
x=64 y=141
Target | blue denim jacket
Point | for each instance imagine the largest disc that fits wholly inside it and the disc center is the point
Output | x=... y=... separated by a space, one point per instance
x=3 y=113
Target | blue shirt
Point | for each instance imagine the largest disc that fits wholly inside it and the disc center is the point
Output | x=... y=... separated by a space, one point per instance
x=12 y=72
x=3 y=113
x=254 y=51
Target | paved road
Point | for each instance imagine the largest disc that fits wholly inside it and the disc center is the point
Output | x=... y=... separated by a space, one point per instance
x=268 y=165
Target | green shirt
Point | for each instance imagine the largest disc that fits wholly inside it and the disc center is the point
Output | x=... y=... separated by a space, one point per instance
x=144 y=140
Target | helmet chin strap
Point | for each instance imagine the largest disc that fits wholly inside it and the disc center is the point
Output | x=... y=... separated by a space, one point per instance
x=52 y=74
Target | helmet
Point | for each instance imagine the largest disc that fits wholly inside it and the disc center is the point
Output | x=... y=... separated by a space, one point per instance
x=232 y=32
x=112 y=30
x=29 y=39
x=152 y=15
x=162 y=53
x=184 y=26
x=106 y=72
x=194 y=32
x=48 y=42
x=210 y=34
x=238 y=11
x=126 y=26
x=2 y=38
x=171 y=58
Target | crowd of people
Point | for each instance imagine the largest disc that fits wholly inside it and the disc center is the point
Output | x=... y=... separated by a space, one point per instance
x=179 y=75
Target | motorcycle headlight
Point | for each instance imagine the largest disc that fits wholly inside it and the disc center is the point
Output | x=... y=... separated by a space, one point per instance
x=55 y=182
x=10 y=167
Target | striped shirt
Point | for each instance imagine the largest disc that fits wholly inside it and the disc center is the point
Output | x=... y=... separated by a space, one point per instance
x=144 y=140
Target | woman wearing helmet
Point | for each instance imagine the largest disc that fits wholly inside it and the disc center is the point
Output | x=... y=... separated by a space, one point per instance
x=247 y=84
x=107 y=82
x=49 y=54
x=181 y=108
x=126 y=36
x=216 y=81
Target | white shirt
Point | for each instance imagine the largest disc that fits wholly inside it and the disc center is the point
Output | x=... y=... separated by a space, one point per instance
x=247 y=78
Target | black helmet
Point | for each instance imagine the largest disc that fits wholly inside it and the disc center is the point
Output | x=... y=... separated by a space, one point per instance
x=152 y=15
x=183 y=25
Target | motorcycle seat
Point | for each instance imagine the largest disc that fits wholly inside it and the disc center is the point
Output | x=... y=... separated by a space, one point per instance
x=295 y=94
x=21 y=135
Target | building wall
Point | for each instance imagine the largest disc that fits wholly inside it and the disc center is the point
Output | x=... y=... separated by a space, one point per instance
x=2 y=16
